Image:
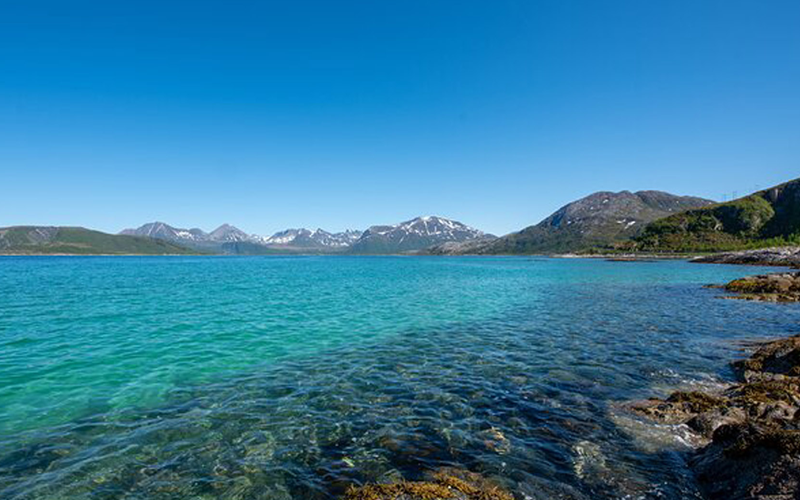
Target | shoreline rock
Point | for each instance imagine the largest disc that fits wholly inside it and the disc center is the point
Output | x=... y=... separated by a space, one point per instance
x=780 y=256
x=752 y=427
x=775 y=287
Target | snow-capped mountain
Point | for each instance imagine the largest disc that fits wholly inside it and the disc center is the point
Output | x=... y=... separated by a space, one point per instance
x=162 y=231
x=413 y=235
x=193 y=238
x=227 y=233
x=229 y=239
x=305 y=238
x=409 y=236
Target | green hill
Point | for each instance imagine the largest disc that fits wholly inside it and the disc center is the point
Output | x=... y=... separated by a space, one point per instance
x=600 y=219
x=767 y=218
x=29 y=240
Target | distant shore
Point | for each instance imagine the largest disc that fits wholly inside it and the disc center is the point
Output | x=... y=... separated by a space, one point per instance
x=777 y=257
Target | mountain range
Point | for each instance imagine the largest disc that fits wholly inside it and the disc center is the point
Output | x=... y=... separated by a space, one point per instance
x=409 y=236
x=229 y=237
x=642 y=221
x=305 y=238
x=414 y=235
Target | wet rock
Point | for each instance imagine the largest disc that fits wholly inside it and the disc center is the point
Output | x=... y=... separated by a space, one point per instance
x=779 y=357
x=750 y=461
x=679 y=408
x=753 y=426
x=777 y=287
x=444 y=484
x=707 y=422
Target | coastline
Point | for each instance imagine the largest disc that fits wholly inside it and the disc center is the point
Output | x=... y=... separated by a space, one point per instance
x=748 y=430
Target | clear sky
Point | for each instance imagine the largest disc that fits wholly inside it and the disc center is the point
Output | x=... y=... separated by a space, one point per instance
x=342 y=114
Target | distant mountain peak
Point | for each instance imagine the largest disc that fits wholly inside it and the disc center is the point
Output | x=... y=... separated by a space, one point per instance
x=301 y=238
x=163 y=231
x=229 y=233
x=414 y=235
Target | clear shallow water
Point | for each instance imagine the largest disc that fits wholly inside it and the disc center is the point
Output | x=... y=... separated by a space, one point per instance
x=279 y=378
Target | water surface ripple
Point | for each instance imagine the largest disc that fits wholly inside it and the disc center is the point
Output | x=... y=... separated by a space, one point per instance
x=290 y=378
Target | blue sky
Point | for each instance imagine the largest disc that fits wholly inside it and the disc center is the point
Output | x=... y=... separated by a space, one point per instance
x=341 y=114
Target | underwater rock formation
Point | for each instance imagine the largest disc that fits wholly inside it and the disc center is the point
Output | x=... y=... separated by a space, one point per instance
x=444 y=484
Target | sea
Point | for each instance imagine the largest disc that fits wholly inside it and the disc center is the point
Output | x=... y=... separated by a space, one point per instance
x=279 y=378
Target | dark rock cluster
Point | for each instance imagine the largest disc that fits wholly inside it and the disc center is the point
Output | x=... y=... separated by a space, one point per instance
x=780 y=256
x=752 y=427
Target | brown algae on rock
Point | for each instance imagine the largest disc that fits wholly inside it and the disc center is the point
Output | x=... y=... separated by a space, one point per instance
x=746 y=437
x=775 y=358
x=444 y=484
x=752 y=427
x=776 y=287
x=696 y=401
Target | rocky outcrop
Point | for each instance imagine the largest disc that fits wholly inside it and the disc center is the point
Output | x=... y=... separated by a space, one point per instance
x=781 y=256
x=776 y=287
x=773 y=361
x=752 y=427
x=444 y=484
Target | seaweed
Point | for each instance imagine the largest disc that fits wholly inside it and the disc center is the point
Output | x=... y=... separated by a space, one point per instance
x=443 y=484
x=698 y=402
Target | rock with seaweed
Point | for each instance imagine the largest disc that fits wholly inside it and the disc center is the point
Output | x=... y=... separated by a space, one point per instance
x=752 y=427
x=775 y=287
x=774 y=360
x=443 y=484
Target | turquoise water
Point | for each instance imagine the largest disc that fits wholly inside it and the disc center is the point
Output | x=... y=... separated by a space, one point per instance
x=279 y=378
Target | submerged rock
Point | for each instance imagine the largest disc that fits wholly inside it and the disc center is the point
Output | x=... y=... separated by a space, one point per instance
x=680 y=407
x=753 y=427
x=444 y=484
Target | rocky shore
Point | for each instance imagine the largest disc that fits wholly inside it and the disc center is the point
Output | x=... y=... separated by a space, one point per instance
x=752 y=428
x=775 y=287
x=782 y=256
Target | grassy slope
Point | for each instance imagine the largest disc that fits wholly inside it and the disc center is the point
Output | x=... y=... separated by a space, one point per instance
x=536 y=239
x=763 y=219
x=592 y=228
x=80 y=241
